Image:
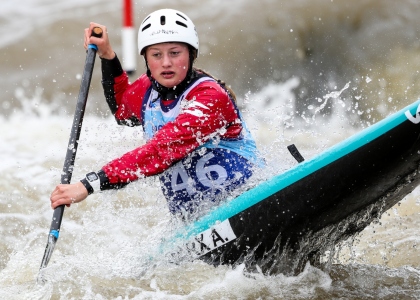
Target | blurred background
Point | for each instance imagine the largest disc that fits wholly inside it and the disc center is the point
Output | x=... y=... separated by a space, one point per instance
x=373 y=44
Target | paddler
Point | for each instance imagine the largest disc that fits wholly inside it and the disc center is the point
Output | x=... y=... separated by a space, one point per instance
x=197 y=141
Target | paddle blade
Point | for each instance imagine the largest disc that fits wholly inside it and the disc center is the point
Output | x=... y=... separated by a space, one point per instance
x=52 y=239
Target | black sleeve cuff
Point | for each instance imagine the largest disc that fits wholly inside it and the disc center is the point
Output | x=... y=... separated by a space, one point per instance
x=105 y=185
x=111 y=68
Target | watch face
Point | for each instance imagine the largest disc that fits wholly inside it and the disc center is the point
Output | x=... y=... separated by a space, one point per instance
x=92 y=176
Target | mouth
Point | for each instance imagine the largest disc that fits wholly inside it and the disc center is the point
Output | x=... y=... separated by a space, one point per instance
x=167 y=74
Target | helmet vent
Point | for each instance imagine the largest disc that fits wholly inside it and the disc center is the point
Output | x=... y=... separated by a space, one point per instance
x=182 y=16
x=145 y=27
x=162 y=20
x=146 y=19
x=182 y=24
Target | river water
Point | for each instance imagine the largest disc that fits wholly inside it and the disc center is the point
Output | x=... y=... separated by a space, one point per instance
x=309 y=72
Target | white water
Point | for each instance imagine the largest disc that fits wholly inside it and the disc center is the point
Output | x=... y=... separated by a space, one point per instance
x=105 y=241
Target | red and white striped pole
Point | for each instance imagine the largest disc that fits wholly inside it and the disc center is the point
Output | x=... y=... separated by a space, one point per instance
x=128 y=39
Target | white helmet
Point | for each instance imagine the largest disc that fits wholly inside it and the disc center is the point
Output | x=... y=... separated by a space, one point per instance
x=167 y=25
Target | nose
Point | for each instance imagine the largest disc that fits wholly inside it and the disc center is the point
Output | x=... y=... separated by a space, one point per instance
x=166 y=61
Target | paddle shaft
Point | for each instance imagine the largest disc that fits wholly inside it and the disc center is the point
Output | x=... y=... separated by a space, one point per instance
x=72 y=145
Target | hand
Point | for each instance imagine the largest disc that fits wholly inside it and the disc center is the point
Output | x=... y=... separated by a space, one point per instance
x=103 y=44
x=68 y=194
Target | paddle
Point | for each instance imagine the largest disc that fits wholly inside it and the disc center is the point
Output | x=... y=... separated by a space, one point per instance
x=72 y=146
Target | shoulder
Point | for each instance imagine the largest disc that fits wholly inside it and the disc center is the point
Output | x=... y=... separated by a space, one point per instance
x=208 y=88
x=142 y=83
x=131 y=98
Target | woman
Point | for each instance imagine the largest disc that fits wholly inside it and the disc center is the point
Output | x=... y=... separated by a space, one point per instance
x=197 y=141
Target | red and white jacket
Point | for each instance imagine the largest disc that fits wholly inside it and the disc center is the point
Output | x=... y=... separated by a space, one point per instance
x=176 y=139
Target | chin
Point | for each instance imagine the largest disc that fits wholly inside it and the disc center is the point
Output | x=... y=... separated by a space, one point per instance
x=169 y=84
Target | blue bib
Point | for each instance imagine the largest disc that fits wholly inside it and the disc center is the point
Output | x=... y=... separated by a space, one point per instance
x=209 y=173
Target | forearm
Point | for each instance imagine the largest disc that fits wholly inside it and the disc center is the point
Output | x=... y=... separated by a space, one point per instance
x=120 y=95
x=111 y=69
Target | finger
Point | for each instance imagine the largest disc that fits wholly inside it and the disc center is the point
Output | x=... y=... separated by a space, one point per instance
x=55 y=204
x=56 y=201
x=86 y=38
x=55 y=194
x=101 y=42
x=88 y=34
x=60 y=202
x=93 y=25
x=59 y=193
x=59 y=189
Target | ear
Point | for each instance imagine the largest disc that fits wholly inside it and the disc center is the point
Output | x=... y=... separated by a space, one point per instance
x=193 y=54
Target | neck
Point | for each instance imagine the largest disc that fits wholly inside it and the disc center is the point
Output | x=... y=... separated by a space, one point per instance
x=174 y=92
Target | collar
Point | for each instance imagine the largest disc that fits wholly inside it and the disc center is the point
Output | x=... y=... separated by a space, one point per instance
x=173 y=93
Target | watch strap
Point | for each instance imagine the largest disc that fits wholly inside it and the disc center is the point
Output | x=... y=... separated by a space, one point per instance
x=92 y=182
x=87 y=186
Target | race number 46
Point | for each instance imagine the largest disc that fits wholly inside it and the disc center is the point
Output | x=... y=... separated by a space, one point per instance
x=208 y=176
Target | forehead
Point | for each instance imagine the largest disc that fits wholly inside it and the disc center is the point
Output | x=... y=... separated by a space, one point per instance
x=167 y=46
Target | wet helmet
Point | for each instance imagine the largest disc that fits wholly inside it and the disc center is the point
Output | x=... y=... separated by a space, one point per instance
x=167 y=25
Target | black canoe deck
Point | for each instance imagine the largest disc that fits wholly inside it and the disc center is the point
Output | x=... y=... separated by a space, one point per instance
x=283 y=222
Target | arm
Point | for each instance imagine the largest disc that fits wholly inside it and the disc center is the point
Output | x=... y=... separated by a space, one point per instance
x=123 y=99
x=211 y=114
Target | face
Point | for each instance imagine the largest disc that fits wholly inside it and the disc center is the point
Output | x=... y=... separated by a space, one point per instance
x=168 y=63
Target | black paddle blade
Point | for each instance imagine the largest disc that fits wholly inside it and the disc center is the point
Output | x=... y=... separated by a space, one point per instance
x=53 y=235
x=52 y=239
